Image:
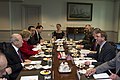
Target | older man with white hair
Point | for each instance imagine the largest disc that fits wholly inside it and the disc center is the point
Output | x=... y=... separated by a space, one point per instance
x=14 y=56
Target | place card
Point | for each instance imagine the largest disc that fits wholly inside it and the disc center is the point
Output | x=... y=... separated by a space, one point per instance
x=35 y=77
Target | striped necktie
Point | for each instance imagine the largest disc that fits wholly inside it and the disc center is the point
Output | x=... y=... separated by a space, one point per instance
x=18 y=52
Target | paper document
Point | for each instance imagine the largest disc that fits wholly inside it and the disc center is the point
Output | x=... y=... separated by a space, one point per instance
x=35 y=62
x=35 y=77
x=101 y=76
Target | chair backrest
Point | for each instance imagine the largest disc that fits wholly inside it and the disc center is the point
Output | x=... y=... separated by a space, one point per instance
x=114 y=45
x=3 y=46
x=79 y=36
x=117 y=46
x=75 y=33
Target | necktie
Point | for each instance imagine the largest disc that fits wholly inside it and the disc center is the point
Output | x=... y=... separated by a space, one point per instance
x=19 y=55
x=95 y=45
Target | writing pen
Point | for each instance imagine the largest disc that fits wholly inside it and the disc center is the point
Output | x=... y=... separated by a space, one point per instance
x=110 y=72
x=117 y=71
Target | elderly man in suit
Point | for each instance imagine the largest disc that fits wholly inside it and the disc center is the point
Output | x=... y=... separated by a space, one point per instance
x=14 y=56
x=112 y=64
x=105 y=51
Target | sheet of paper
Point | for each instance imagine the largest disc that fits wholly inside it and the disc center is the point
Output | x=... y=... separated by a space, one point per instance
x=35 y=62
x=101 y=76
x=83 y=61
x=35 y=77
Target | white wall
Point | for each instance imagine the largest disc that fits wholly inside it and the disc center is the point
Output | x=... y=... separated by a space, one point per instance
x=4 y=16
x=117 y=18
x=54 y=11
x=105 y=14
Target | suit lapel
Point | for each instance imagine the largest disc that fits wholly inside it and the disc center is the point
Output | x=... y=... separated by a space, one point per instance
x=101 y=54
x=14 y=53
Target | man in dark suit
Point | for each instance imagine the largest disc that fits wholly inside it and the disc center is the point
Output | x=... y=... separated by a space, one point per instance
x=88 y=37
x=105 y=51
x=94 y=44
x=33 y=38
x=14 y=56
x=112 y=64
x=39 y=29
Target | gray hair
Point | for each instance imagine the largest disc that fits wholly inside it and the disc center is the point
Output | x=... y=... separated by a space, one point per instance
x=14 y=38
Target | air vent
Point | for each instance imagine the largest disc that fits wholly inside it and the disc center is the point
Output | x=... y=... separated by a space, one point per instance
x=16 y=0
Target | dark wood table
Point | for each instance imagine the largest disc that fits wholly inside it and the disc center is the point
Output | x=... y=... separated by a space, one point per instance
x=55 y=75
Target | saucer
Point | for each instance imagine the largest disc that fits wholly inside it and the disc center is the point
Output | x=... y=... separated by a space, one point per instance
x=46 y=67
x=29 y=67
x=45 y=72
x=64 y=71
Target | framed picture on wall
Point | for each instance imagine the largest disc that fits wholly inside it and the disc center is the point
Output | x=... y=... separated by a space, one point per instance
x=79 y=11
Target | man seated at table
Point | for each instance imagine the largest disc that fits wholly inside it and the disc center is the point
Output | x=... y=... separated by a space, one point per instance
x=14 y=57
x=94 y=43
x=105 y=51
x=39 y=29
x=112 y=64
x=88 y=37
x=3 y=65
x=33 y=39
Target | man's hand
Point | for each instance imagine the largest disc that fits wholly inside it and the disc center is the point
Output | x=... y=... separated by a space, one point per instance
x=87 y=63
x=114 y=76
x=90 y=72
x=27 y=61
x=3 y=79
x=8 y=70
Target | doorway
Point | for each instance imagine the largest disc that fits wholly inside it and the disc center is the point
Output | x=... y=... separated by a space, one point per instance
x=31 y=15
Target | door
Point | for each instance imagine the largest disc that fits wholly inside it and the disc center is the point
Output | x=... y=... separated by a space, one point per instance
x=31 y=15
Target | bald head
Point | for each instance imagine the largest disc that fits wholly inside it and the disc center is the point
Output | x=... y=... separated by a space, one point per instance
x=3 y=63
x=16 y=40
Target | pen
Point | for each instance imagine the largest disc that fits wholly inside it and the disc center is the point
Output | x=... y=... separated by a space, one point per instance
x=117 y=71
x=110 y=71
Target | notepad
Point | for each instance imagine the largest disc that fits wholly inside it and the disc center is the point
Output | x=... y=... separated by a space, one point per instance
x=35 y=77
x=102 y=76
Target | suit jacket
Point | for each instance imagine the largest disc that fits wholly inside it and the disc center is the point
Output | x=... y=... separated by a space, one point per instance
x=13 y=61
x=94 y=45
x=107 y=53
x=38 y=36
x=112 y=64
x=88 y=41
x=34 y=39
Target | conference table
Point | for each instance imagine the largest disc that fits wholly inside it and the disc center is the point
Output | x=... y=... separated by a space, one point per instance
x=55 y=74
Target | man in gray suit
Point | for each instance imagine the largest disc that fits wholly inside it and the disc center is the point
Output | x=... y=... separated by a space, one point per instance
x=112 y=64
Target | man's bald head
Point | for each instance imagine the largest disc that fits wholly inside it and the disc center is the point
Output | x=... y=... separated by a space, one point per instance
x=3 y=63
